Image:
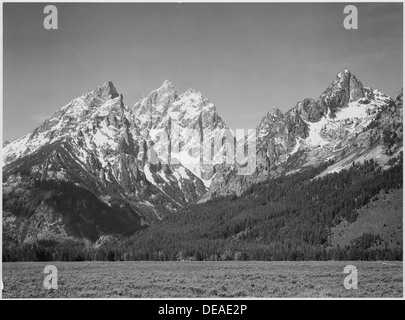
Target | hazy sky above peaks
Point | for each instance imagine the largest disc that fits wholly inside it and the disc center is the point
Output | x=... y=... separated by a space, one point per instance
x=245 y=57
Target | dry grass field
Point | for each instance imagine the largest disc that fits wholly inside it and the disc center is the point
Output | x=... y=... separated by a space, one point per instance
x=202 y=279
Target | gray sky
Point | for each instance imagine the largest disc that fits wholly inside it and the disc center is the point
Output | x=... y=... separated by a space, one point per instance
x=246 y=58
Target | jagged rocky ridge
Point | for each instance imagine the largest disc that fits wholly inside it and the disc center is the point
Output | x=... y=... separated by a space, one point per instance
x=95 y=147
x=86 y=172
x=347 y=123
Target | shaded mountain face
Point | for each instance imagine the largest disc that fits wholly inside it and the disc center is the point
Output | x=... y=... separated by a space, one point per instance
x=87 y=171
x=348 y=122
x=90 y=169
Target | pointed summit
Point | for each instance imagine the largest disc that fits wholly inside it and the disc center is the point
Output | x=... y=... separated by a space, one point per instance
x=167 y=89
x=350 y=83
x=192 y=93
x=106 y=91
x=347 y=78
x=272 y=116
x=343 y=73
x=275 y=112
x=167 y=83
x=344 y=89
x=159 y=98
x=167 y=86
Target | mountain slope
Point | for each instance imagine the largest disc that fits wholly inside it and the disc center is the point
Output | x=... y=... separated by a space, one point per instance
x=292 y=217
x=98 y=167
x=99 y=145
x=348 y=122
x=382 y=217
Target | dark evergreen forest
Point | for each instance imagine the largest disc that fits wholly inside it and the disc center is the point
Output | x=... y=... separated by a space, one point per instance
x=286 y=218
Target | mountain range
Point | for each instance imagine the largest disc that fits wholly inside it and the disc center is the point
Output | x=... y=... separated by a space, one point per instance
x=87 y=171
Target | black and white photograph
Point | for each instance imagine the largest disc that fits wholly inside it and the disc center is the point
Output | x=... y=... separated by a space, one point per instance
x=202 y=150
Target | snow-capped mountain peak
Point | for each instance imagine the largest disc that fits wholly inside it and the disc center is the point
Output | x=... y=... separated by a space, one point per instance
x=96 y=135
x=274 y=113
x=348 y=122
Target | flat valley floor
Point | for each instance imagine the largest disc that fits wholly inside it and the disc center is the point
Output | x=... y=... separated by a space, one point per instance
x=207 y=279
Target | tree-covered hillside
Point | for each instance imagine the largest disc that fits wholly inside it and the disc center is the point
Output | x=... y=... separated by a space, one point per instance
x=287 y=218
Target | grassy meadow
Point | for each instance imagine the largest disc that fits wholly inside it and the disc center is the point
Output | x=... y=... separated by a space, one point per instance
x=206 y=279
